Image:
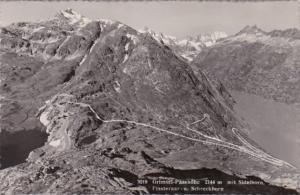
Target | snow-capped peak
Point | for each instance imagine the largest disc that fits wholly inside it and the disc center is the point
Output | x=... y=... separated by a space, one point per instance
x=218 y=35
x=74 y=17
x=159 y=37
x=210 y=39
x=188 y=47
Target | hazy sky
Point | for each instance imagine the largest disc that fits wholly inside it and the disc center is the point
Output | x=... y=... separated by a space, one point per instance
x=174 y=18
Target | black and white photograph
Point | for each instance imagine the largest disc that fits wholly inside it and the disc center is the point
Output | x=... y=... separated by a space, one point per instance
x=150 y=97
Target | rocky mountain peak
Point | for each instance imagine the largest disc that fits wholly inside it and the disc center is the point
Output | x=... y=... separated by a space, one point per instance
x=251 y=30
x=73 y=17
x=210 y=39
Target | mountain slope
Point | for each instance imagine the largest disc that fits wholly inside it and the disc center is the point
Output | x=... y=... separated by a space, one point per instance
x=116 y=105
x=258 y=62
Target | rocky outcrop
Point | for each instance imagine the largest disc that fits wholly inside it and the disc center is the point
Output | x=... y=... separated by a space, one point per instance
x=69 y=124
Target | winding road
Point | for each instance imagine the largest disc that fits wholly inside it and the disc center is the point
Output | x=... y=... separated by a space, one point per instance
x=246 y=147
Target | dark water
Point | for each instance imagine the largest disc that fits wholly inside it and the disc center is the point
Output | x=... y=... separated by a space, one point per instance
x=15 y=147
x=274 y=126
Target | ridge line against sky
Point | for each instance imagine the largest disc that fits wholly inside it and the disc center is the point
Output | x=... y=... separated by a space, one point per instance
x=176 y=18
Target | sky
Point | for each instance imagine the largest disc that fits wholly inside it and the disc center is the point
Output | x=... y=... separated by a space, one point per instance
x=174 y=18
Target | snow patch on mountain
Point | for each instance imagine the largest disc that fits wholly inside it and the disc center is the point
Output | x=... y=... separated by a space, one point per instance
x=212 y=39
x=133 y=38
x=105 y=22
x=120 y=25
x=73 y=17
x=125 y=58
x=127 y=46
x=187 y=57
x=44 y=119
x=38 y=29
x=55 y=143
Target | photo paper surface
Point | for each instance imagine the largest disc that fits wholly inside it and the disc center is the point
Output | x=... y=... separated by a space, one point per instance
x=150 y=97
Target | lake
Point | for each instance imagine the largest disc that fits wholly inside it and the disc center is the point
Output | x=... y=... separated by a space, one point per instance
x=275 y=126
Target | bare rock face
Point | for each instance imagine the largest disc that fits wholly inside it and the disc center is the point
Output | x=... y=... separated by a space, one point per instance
x=69 y=124
x=118 y=105
x=258 y=62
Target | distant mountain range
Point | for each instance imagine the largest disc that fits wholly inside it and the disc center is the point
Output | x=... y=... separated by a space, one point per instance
x=116 y=105
x=189 y=47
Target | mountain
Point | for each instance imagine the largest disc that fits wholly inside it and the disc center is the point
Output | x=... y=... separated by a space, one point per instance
x=189 y=47
x=117 y=105
x=211 y=39
x=258 y=62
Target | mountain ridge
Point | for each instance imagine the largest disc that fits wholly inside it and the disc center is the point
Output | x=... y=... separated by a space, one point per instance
x=263 y=63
